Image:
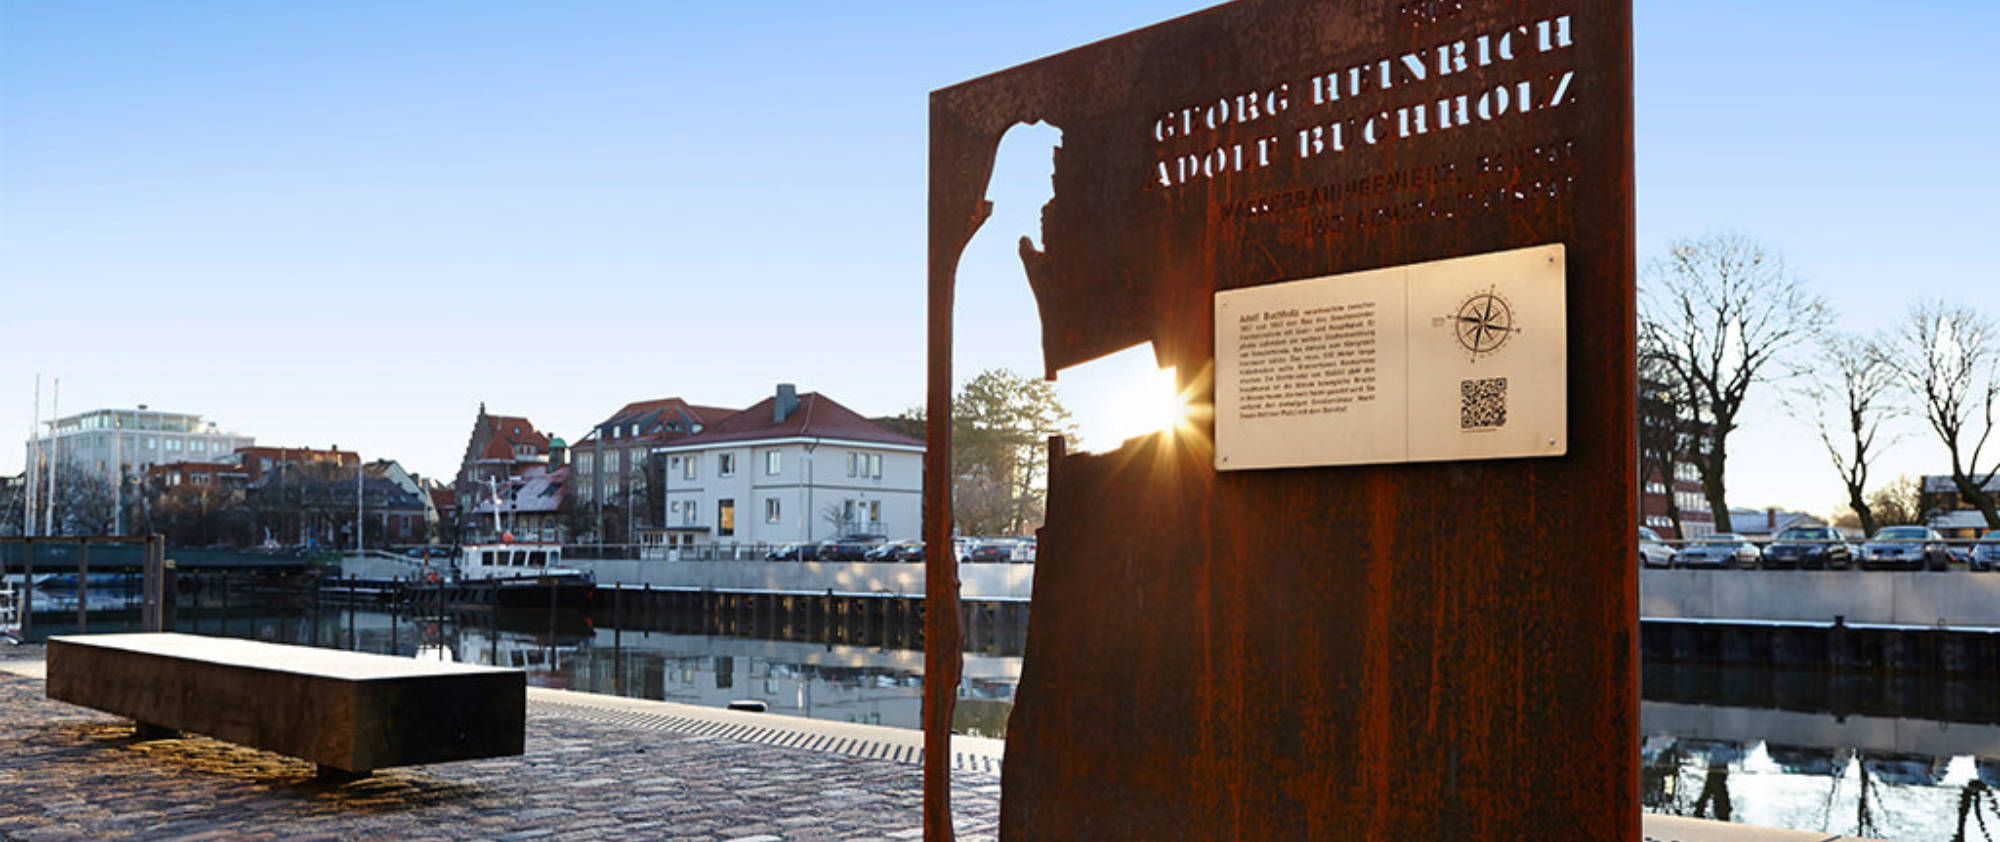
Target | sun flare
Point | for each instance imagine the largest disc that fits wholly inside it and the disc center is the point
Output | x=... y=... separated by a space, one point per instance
x=1121 y=396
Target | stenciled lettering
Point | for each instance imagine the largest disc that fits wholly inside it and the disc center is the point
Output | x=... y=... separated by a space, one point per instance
x=1208 y=140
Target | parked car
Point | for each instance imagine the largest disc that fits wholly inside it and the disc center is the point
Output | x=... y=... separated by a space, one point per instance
x=1986 y=553
x=1905 y=548
x=794 y=552
x=1720 y=550
x=843 y=551
x=1809 y=548
x=1653 y=552
x=990 y=553
x=898 y=551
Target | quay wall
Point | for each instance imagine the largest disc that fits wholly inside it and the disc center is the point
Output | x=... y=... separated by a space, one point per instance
x=1956 y=599
x=980 y=582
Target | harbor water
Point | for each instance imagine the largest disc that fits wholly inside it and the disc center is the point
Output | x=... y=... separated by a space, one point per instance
x=1906 y=757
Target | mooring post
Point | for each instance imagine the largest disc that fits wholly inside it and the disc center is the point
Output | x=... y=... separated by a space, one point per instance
x=26 y=596
x=83 y=587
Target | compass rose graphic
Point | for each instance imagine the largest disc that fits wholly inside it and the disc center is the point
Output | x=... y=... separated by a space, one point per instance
x=1483 y=323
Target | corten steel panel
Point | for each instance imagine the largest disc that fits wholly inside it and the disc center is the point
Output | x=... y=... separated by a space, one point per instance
x=1387 y=652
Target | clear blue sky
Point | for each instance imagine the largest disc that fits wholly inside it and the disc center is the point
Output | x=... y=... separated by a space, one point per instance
x=320 y=222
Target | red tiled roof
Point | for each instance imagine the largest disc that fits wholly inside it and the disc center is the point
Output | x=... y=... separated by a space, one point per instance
x=664 y=419
x=508 y=432
x=817 y=416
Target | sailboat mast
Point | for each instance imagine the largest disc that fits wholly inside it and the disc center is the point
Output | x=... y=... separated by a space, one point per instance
x=49 y=505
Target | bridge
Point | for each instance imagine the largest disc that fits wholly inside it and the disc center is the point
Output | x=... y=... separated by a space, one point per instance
x=129 y=553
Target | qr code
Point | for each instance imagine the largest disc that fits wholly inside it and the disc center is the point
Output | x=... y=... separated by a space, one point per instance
x=1483 y=403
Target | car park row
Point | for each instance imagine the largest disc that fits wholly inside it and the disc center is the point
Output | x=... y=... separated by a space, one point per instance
x=1008 y=550
x=1825 y=548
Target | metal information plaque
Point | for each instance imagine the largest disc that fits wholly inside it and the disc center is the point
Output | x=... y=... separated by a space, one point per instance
x=1454 y=359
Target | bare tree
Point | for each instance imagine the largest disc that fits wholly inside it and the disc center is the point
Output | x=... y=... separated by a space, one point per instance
x=1725 y=313
x=1846 y=401
x=1949 y=362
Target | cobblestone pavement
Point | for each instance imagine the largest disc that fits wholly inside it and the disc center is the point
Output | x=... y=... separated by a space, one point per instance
x=71 y=773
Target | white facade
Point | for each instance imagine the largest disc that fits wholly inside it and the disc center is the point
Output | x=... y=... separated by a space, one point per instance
x=785 y=490
x=101 y=440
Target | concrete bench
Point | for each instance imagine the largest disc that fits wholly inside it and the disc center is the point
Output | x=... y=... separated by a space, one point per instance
x=349 y=712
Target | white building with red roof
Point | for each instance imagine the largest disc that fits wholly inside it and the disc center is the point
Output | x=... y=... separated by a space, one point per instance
x=795 y=467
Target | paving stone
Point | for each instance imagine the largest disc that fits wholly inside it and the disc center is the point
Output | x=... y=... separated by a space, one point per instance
x=74 y=774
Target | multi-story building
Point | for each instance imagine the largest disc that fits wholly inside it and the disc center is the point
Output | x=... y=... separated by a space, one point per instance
x=256 y=462
x=1689 y=497
x=610 y=469
x=176 y=474
x=795 y=467
x=527 y=506
x=113 y=443
x=399 y=510
x=1664 y=439
x=500 y=448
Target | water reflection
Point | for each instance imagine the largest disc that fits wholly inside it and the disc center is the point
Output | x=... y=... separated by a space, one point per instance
x=1823 y=752
x=868 y=675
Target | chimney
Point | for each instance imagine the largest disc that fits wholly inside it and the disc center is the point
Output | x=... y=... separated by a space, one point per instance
x=788 y=402
x=1770 y=518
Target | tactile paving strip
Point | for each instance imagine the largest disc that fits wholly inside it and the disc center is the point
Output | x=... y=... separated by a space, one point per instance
x=785 y=732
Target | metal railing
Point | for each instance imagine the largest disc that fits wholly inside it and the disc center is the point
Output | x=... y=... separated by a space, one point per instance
x=62 y=563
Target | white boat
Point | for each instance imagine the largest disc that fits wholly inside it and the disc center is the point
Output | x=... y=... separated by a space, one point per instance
x=10 y=612
x=515 y=574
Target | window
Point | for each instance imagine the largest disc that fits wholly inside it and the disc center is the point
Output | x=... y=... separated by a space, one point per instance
x=852 y=460
x=690 y=468
x=584 y=462
x=865 y=465
x=725 y=517
x=688 y=513
x=772 y=512
x=874 y=511
x=774 y=462
x=875 y=465
x=611 y=462
x=725 y=464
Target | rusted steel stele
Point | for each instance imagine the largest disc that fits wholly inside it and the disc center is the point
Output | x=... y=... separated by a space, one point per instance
x=1379 y=652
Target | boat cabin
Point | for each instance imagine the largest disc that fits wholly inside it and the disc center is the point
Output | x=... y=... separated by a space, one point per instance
x=504 y=561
